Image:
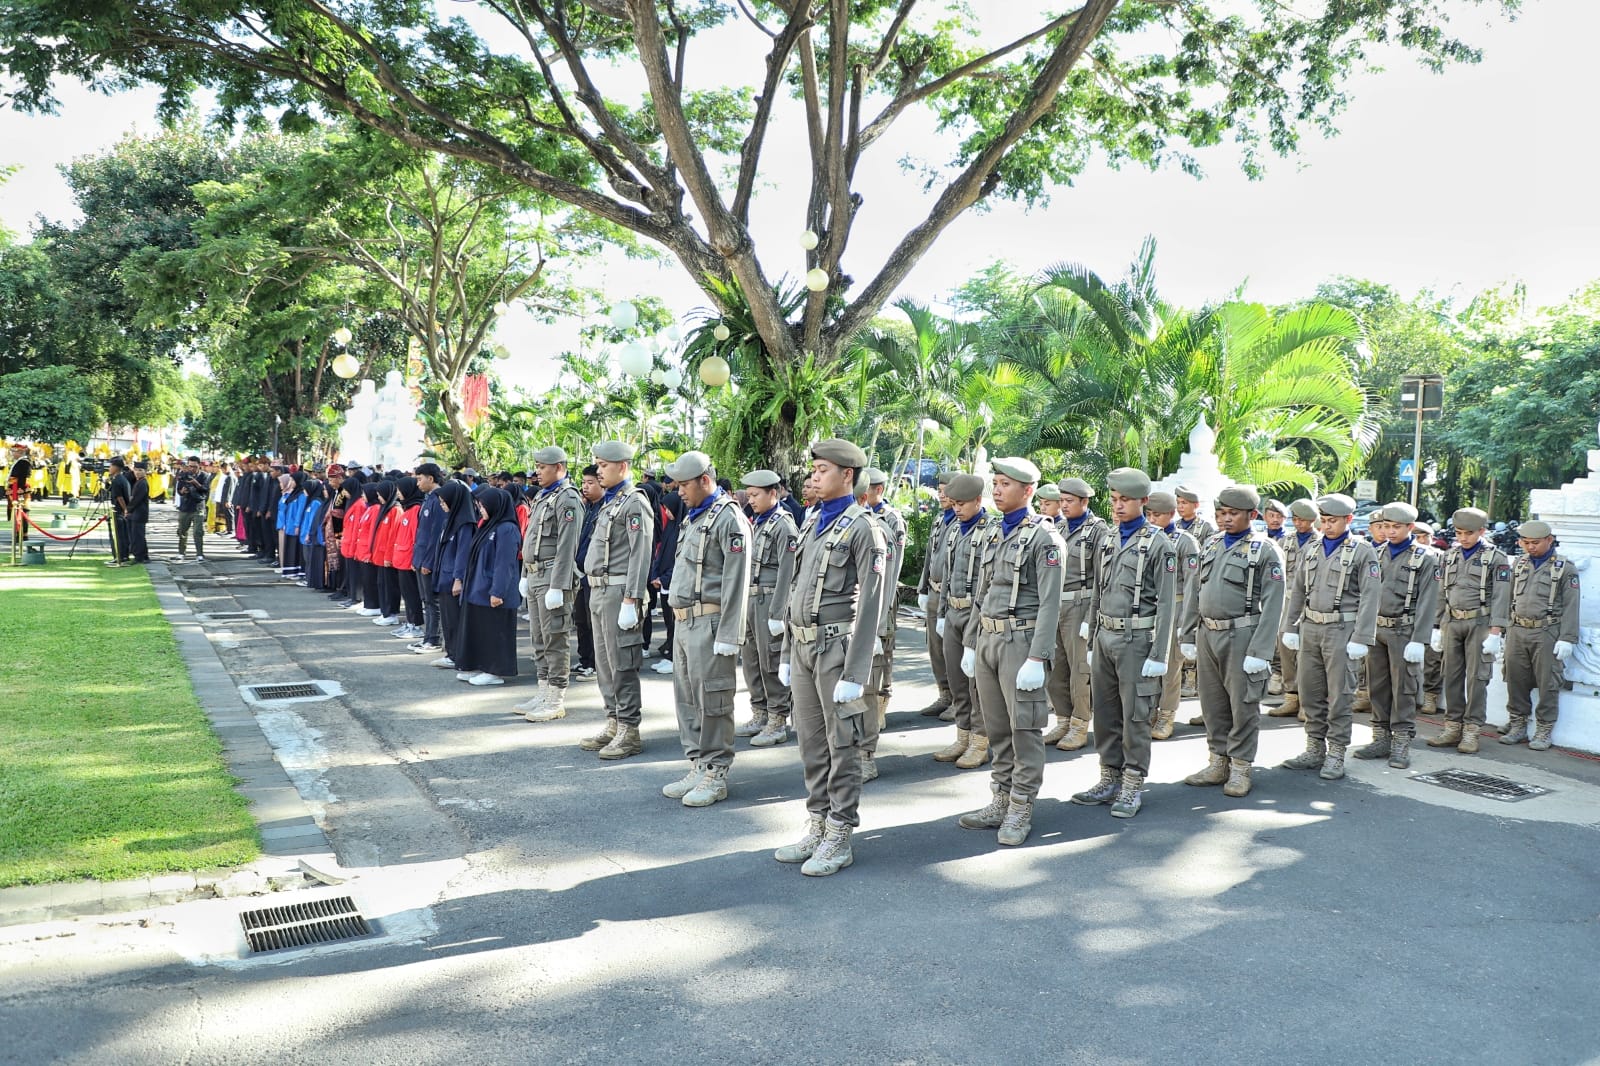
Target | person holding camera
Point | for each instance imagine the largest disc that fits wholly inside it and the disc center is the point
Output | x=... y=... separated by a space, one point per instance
x=192 y=488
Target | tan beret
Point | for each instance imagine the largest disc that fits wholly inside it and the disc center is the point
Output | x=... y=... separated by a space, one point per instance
x=1278 y=506
x=1303 y=508
x=761 y=479
x=1399 y=512
x=614 y=451
x=1337 y=504
x=1533 y=529
x=876 y=476
x=689 y=466
x=1240 y=498
x=1078 y=487
x=1048 y=491
x=1184 y=492
x=550 y=456
x=946 y=475
x=1161 y=503
x=964 y=487
x=1129 y=482
x=840 y=452
x=1470 y=518
x=1017 y=468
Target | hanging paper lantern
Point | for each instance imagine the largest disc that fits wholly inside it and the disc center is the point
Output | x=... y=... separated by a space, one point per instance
x=664 y=340
x=346 y=365
x=342 y=336
x=808 y=240
x=501 y=308
x=624 y=315
x=672 y=377
x=816 y=279
x=656 y=376
x=633 y=359
x=673 y=334
x=722 y=332
x=714 y=371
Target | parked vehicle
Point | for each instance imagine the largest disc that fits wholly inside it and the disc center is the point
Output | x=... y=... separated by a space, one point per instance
x=929 y=477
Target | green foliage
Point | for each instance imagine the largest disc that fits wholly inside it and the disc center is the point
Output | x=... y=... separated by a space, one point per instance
x=53 y=403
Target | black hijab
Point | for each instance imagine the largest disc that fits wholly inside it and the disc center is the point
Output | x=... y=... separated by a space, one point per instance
x=384 y=491
x=461 y=512
x=315 y=490
x=500 y=509
x=369 y=491
x=410 y=494
x=299 y=479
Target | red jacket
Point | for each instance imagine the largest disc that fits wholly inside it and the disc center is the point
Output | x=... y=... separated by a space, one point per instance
x=361 y=535
x=352 y=522
x=383 y=547
x=405 y=538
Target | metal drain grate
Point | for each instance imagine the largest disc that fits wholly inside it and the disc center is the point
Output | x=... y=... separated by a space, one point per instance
x=303 y=924
x=285 y=692
x=227 y=616
x=1488 y=786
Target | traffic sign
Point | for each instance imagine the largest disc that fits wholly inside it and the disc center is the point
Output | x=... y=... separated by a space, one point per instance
x=1408 y=469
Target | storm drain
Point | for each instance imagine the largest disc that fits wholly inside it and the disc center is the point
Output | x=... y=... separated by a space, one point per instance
x=1488 y=786
x=300 y=925
x=285 y=692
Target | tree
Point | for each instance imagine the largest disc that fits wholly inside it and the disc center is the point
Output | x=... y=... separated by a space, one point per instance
x=48 y=404
x=1137 y=81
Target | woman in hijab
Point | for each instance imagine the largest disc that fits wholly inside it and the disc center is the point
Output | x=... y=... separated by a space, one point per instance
x=359 y=542
x=455 y=544
x=388 y=582
x=405 y=516
x=487 y=652
x=313 y=550
x=344 y=511
x=280 y=508
x=291 y=510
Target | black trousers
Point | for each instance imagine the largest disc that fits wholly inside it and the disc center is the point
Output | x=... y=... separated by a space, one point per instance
x=585 y=629
x=411 y=596
x=119 y=547
x=316 y=560
x=389 y=591
x=138 y=550
x=450 y=622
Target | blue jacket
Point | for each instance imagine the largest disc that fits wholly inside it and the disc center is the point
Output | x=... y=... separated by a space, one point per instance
x=497 y=572
x=430 y=523
x=290 y=511
x=311 y=523
x=452 y=561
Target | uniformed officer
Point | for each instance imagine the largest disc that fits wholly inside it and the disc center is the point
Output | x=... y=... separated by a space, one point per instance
x=1082 y=532
x=1432 y=661
x=957 y=627
x=1543 y=633
x=1189 y=518
x=1275 y=513
x=835 y=609
x=617 y=565
x=1130 y=630
x=1161 y=510
x=1008 y=652
x=774 y=544
x=1332 y=621
x=881 y=687
x=549 y=560
x=1048 y=500
x=1302 y=538
x=708 y=599
x=1408 y=605
x=928 y=596
x=1230 y=626
x=1474 y=611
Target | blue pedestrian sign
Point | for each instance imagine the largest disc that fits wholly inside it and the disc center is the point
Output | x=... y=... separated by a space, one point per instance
x=1408 y=469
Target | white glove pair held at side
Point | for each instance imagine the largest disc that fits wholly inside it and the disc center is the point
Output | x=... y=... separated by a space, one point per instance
x=1030 y=676
x=1251 y=664
x=843 y=692
x=1352 y=649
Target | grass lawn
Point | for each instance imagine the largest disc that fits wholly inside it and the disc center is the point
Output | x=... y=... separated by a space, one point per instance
x=108 y=768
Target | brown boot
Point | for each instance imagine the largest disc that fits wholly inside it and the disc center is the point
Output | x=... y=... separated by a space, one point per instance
x=977 y=753
x=936 y=708
x=1362 y=704
x=1063 y=726
x=1469 y=739
x=1238 y=779
x=1215 y=773
x=624 y=744
x=1516 y=731
x=1161 y=727
x=600 y=739
x=956 y=748
x=1541 y=736
x=1077 y=736
x=1289 y=708
x=1430 y=702
x=1447 y=737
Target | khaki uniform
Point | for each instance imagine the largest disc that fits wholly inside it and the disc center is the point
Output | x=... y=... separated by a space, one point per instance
x=710 y=588
x=1293 y=553
x=1544 y=609
x=962 y=567
x=1408 y=605
x=550 y=561
x=618 y=567
x=1068 y=686
x=879 y=689
x=1475 y=597
x=835 y=609
x=931 y=585
x=1188 y=549
x=1234 y=612
x=1134 y=592
x=1198 y=528
x=774 y=544
x=1019 y=607
x=1333 y=603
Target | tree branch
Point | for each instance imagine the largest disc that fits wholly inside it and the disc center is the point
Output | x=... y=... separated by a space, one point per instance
x=777 y=60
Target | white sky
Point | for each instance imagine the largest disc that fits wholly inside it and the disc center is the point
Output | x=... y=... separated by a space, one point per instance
x=1453 y=182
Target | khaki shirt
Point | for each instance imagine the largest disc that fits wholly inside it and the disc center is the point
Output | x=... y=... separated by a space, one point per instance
x=839 y=580
x=964 y=559
x=1481 y=583
x=1188 y=549
x=1549 y=593
x=1198 y=528
x=776 y=542
x=933 y=562
x=550 y=546
x=1408 y=586
x=893 y=527
x=622 y=543
x=1138 y=579
x=1019 y=576
x=1346 y=582
x=1246 y=579
x=1081 y=553
x=1293 y=553
x=713 y=565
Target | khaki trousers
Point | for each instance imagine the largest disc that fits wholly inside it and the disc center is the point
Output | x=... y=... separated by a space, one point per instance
x=552 y=649
x=1467 y=670
x=1230 y=699
x=1013 y=721
x=963 y=689
x=879 y=686
x=1288 y=667
x=703 y=684
x=830 y=734
x=1123 y=700
x=1394 y=685
x=760 y=657
x=936 y=648
x=1531 y=664
x=618 y=654
x=1327 y=680
x=1068 y=684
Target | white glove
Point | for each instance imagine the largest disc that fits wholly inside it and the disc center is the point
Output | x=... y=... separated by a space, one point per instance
x=1563 y=649
x=1493 y=644
x=1414 y=652
x=969 y=662
x=553 y=599
x=1083 y=631
x=1030 y=677
x=845 y=691
x=1151 y=668
x=775 y=626
x=1436 y=642
x=720 y=648
x=784 y=674
x=628 y=617
x=1088 y=657
x=922 y=601
x=1356 y=651
x=938 y=627
x=1291 y=641
x=877 y=647
x=1252 y=665
x=1189 y=651
x=522 y=588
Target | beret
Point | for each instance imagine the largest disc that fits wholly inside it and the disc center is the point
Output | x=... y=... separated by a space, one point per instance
x=1533 y=529
x=552 y=454
x=1241 y=498
x=876 y=476
x=1303 y=508
x=1017 y=469
x=840 y=452
x=1161 y=503
x=1048 y=491
x=1336 y=504
x=1399 y=512
x=1184 y=492
x=946 y=475
x=1076 y=486
x=761 y=479
x=1279 y=506
x=689 y=466
x=1424 y=529
x=1470 y=518
x=614 y=451
x=964 y=487
x=1129 y=482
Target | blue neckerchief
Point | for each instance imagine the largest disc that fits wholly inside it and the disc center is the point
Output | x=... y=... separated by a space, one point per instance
x=1467 y=553
x=1230 y=539
x=1172 y=528
x=948 y=516
x=767 y=514
x=705 y=505
x=1074 y=523
x=1275 y=534
x=1187 y=523
x=967 y=526
x=621 y=486
x=1011 y=520
x=829 y=510
x=1540 y=560
x=877 y=508
x=1400 y=549
x=1331 y=544
x=545 y=492
x=1304 y=537
x=1128 y=529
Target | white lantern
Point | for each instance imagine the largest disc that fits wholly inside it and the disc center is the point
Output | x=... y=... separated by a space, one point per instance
x=656 y=376
x=808 y=240
x=715 y=371
x=624 y=315
x=346 y=365
x=501 y=308
x=664 y=340
x=722 y=332
x=672 y=333
x=816 y=279
x=633 y=359
x=672 y=377
x=342 y=336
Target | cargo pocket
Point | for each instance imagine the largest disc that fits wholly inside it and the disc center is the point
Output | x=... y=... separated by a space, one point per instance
x=1485 y=667
x=719 y=688
x=1147 y=690
x=1255 y=686
x=1031 y=711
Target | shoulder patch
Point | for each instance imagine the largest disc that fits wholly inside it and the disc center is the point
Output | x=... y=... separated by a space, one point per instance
x=1052 y=557
x=634 y=523
x=1503 y=574
x=1372 y=568
x=877 y=562
x=1194 y=562
x=1276 y=573
x=569 y=514
x=1172 y=564
x=1573 y=582
x=736 y=543
x=794 y=543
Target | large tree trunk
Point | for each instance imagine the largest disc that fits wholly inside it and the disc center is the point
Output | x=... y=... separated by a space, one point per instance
x=451 y=405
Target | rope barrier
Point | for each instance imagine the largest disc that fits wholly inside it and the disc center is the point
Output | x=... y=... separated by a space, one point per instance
x=98 y=523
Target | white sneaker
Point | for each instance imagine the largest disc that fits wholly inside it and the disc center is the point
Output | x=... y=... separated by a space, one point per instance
x=369 y=612
x=466 y=675
x=486 y=679
x=444 y=662
x=199 y=558
x=663 y=667
x=421 y=648
x=387 y=620
x=404 y=631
